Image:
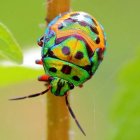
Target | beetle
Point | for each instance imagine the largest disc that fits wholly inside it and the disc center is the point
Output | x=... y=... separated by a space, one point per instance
x=72 y=49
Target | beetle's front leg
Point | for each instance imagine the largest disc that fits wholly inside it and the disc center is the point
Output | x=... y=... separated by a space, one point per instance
x=39 y=62
x=44 y=77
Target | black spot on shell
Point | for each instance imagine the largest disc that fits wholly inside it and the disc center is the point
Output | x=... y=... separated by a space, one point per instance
x=87 y=67
x=94 y=29
x=79 y=55
x=60 y=26
x=76 y=78
x=50 y=53
x=66 y=69
x=66 y=50
x=52 y=69
x=97 y=40
x=94 y=21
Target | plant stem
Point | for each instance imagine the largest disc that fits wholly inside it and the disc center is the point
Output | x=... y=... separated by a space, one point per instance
x=55 y=7
x=58 y=118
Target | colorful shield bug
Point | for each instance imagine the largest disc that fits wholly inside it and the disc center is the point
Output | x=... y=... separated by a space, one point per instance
x=72 y=49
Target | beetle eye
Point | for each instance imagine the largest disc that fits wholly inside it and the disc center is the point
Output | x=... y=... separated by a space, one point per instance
x=71 y=86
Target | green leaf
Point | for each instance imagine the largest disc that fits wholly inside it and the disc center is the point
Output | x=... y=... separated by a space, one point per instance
x=125 y=112
x=12 y=75
x=9 y=48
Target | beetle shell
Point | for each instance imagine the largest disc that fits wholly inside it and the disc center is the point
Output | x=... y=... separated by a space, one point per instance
x=73 y=47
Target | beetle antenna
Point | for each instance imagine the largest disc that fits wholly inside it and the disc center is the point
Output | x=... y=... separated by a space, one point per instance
x=31 y=96
x=73 y=115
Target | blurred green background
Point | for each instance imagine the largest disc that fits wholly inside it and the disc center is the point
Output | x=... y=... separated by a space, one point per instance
x=107 y=106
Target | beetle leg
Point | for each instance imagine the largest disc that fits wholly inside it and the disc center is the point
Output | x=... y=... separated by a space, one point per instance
x=72 y=114
x=80 y=86
x=32 y=95
x=40 y=41
x=39 y=62
x=43 y=78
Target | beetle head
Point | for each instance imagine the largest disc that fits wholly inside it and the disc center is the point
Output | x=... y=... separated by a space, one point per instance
x=60 y=87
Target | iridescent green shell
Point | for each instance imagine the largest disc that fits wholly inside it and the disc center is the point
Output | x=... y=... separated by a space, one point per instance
x=73 y=47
